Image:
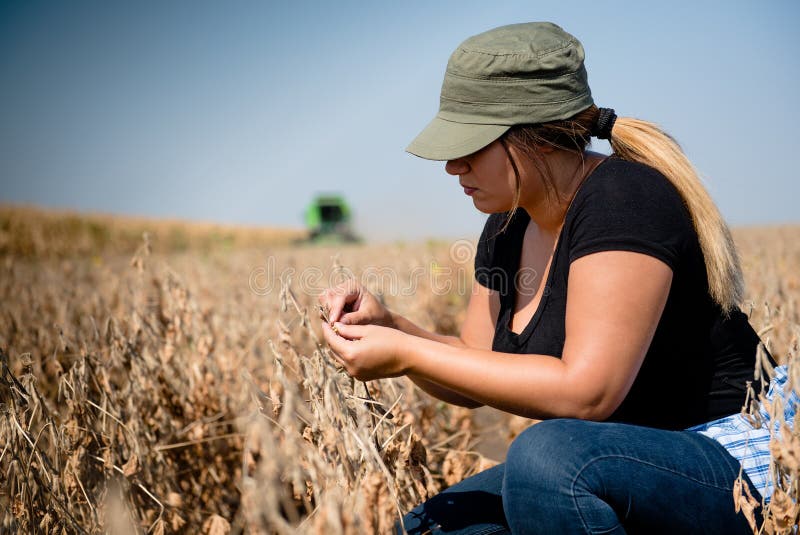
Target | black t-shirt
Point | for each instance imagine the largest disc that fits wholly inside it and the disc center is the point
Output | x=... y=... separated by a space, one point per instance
x=698 y=361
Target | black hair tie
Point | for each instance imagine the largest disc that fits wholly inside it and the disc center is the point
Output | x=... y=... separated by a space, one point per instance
x=604 y=124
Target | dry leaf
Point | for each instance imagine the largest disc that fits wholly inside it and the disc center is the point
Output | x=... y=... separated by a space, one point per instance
x=216 y=525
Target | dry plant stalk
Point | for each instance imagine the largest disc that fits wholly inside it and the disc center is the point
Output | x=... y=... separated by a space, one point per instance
x=137 y=408
x=345 y=465
x=782 y=514
x=164 y=395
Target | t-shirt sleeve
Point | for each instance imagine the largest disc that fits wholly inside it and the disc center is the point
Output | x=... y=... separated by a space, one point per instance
x=488 y=268
x=632 y=208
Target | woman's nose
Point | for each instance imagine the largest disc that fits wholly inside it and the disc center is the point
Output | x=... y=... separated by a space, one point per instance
x=459 y=166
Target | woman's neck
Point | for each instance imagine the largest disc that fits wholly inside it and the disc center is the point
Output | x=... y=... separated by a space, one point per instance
x=569 y=170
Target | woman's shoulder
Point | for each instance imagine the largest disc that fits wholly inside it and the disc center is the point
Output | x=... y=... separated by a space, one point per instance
x=629 y=206
x=616 y=178
x=623 y=190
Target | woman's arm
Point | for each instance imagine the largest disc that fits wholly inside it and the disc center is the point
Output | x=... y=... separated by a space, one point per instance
x=354 y=305
x=407 y=326
x=431 y=388
x=614 y=302
x=477 y=331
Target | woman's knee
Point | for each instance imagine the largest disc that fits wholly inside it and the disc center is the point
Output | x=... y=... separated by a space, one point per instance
x=546 y=459
x=541 y=468
x=548 y=443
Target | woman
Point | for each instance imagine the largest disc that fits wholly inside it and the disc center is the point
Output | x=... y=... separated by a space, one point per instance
x=630 y=335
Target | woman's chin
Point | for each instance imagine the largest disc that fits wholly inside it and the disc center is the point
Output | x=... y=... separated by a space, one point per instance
x=490 y=208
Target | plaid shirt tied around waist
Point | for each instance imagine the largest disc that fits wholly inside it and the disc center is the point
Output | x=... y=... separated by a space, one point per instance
x=749 y=444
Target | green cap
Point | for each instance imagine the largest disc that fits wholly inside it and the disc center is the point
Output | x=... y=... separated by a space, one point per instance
x=518 y=74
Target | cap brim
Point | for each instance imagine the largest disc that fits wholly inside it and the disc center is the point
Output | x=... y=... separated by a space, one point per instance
x=448 y=140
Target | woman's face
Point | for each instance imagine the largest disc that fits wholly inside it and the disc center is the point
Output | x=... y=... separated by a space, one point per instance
x=491 y=174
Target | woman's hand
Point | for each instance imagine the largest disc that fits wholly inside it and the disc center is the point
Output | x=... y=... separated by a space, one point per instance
x=351 y=303
x=368 y=352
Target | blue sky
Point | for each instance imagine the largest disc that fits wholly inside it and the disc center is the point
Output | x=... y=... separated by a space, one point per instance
x=240 y=112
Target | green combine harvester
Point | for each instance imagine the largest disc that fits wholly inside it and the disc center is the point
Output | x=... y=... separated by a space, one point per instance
x=328 y=220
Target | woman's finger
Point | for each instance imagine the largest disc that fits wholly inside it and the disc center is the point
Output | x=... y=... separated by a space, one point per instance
x=353 y=318
x=342 y=296
x=350 y=332
x=332 y=338
x=335 y=344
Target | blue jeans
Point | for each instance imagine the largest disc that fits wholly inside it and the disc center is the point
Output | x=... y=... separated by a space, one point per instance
x=575 y=476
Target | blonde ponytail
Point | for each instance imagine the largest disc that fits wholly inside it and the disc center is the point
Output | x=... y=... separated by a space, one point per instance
x=644 y=142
